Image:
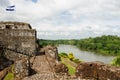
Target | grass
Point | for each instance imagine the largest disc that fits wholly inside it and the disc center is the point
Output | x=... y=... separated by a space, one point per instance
x=9 y=76
x=71 y=68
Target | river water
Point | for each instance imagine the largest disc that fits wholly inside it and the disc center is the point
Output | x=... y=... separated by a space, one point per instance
x=84 y=55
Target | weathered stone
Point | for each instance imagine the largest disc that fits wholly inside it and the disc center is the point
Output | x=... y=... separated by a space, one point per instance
x=4 y=63
x=19 y=37
x=60 y=68
x=51 y=51
x=88 y=69
x=97 y=71
x=21 y=68
x=3 y=73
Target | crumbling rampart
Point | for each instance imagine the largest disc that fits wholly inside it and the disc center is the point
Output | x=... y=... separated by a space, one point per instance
x=97 y=71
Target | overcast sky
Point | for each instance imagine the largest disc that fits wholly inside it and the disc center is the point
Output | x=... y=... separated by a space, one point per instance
x=65 y=19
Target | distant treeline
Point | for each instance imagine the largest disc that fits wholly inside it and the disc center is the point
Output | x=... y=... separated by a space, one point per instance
x=106 y=45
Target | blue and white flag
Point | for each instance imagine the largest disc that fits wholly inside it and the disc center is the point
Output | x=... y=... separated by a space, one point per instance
x=10 y=8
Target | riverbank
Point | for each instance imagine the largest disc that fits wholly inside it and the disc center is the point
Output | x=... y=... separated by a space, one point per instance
x=84 y=55
x=104 y=45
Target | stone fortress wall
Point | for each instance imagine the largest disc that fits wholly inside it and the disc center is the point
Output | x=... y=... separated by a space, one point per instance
x=19 y=36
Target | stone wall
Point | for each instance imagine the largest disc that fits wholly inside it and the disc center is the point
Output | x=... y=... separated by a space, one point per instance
x=97 y=71
x=51 y=53
x=21 y=68
x=18 y=36
x=60 y=68
x=14 y=25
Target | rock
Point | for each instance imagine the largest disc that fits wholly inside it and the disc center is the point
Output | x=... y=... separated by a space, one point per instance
x=86 y=70
x=98 y=71
x=4 y=63
x=21 y=68
x=51 y=51
x=60 y=68
x=3 y=73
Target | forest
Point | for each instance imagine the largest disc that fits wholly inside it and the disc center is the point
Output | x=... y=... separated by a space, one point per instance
x=104 y=45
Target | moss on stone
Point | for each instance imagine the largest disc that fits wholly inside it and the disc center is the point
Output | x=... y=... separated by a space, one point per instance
x=9 y=76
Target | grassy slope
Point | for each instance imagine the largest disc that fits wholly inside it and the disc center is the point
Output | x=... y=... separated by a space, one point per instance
x=70 y=65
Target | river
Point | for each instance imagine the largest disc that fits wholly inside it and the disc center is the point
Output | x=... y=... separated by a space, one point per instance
x=84 y=55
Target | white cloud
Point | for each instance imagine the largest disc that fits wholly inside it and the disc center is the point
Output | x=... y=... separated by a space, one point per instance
x=84 y=18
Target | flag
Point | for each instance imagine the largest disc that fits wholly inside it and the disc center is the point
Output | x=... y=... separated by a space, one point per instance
x=10 y=8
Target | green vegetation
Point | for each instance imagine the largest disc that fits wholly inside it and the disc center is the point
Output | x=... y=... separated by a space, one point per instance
x=65 y=55
x=116 y=61
x=106 y=45
x=10 y=75
x=70 y=62
x=43 y=42
x=70 y=56
x=71 y=68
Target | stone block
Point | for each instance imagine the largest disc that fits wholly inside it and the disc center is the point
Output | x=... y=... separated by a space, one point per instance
x=21 y=68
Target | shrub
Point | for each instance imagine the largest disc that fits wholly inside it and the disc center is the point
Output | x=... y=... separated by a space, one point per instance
x=116 y=61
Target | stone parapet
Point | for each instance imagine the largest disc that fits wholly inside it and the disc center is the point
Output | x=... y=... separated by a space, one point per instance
x=97 y=71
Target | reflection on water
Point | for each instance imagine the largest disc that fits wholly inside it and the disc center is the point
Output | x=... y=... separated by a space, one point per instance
x=84 y=55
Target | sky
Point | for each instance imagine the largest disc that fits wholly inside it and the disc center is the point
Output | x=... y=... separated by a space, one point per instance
x=65 y=19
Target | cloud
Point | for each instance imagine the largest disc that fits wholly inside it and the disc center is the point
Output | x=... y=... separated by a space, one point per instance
x=78 y=18
x=4 y=3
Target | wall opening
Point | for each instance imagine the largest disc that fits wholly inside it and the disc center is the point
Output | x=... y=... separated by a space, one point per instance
x=8 y=27
x=0 y=27
x=16 y=27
